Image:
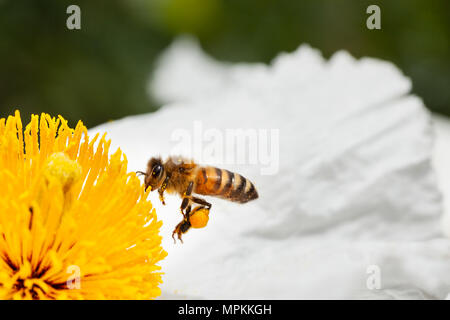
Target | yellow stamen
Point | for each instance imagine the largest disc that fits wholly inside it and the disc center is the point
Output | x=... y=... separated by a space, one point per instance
x=60 y=167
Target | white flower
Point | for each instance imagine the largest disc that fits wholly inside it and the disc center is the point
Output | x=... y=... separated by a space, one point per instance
x=441 y=161
x=354 y=186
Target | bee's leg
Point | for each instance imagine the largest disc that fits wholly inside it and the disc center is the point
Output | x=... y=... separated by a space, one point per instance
x=186 y=198
x=162 y=189
x=202 y=205
x=185 y=224
x=201 y=202
x=182 y=227
x=161 y=196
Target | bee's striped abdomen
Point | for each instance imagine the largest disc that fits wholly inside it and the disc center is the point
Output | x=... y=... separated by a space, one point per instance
x=224 y=184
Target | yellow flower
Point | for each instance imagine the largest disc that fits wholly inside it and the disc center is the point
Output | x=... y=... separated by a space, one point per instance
x=73 y=223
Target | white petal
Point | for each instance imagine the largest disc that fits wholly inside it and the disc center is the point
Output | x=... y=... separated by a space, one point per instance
x=354 y=186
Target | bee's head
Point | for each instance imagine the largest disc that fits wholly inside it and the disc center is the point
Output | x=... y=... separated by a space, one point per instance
x=155 y=174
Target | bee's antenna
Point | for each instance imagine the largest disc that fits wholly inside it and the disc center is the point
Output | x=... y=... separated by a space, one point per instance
x=141 y=173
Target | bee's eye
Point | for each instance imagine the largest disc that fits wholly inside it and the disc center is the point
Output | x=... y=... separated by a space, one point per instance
x=156 y=170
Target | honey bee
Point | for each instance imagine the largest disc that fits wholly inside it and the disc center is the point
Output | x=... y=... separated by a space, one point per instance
x=184 y=177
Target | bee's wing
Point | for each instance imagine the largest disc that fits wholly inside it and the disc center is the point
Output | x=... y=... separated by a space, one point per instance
x=188 y=166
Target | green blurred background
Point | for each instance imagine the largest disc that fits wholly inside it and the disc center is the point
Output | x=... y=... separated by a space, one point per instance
x=100 y=72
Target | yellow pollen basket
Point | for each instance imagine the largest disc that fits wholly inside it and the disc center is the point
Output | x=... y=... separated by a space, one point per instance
x=200 y=218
